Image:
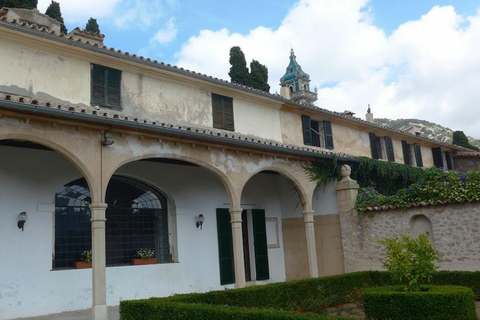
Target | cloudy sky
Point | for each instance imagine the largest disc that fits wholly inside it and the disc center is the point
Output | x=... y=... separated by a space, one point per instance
x=407 y=59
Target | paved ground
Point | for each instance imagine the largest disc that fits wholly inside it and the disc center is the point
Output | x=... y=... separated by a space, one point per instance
x=76 y=315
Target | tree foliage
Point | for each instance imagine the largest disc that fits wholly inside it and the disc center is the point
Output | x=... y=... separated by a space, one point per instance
x=23 y=4
x=410 y=261
x=92 y=26
x=460 y=139
x=258 y=76
x=238 y=70
x=53 y=11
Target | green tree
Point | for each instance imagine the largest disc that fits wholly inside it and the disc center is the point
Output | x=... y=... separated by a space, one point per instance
x=258 y=78
x=410 y=261
x=23 y=4
x=53 y=11
x=92 y=26
x=460 y=139
x=238 y=70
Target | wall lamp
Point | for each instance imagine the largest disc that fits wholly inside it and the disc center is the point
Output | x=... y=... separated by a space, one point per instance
x=200 y=221
x=22 y=218
x=107 y=140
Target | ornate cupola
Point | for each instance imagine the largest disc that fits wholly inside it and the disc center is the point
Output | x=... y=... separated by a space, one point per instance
x=295 y=84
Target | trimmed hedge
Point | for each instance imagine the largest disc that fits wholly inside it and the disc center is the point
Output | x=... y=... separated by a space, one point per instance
x=310 y=295
x=430 y=303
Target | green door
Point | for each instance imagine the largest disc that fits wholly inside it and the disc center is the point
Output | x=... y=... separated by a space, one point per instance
x=260 y=242
x=225 y=247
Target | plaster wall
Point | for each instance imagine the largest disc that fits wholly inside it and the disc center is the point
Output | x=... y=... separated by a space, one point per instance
x=455 y=233
x=29 y=287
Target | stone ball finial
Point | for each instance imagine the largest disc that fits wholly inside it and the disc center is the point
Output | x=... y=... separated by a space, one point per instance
x=345 y=172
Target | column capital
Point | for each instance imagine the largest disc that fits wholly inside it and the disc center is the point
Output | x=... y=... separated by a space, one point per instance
x=235 y=210
x=99 y=205
x=308 y=216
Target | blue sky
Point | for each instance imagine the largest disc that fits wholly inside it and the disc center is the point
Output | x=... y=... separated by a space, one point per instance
x=407 y=58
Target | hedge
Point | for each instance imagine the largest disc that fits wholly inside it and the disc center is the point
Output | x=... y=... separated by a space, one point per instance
x=430 y=303
x=311 y=295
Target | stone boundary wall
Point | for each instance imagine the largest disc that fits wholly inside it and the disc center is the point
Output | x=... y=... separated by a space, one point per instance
x=455 y=233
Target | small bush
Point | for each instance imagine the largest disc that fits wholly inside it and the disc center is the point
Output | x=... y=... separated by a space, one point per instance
x=431 y=302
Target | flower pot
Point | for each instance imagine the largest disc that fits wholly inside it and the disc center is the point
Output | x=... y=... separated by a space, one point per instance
x=83 y=265
x=144 y=261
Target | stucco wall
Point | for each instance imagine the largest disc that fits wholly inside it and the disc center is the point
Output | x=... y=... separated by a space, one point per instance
x=455 y=233
x=29 y=287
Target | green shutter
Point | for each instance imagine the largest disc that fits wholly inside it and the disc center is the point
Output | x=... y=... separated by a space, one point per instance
x=106 y=83
x=98 y=85
x=114 y=78
x=448 y=156
x=222 y=112
x=389 y=146
x=406 y=152
x=307 y=130
x=225 y=247
x=373 y=145
x=260 y=243
x=418 y=154
x=437 y=157
x=228 y=113
x=327 y=127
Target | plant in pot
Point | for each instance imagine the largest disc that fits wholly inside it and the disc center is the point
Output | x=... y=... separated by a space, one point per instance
x=86 y=262
x=145 y=256
x=410 y=263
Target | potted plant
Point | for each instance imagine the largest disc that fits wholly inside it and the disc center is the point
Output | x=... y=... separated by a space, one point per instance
x=145 y=256
x=86 y=260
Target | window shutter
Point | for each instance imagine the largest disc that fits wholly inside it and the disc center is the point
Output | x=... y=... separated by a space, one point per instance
x=315 y=137
x=260 y=242
x=418 y=154
x=114 y=78
x=373 y=145
x=327 y=126
x=98 y=85
x=217 y=111
x=437 y=157
x=307 y=132
x=228 y=113
x=389 y=146
x=448 y=155
x=406 y=152
x=225 y=247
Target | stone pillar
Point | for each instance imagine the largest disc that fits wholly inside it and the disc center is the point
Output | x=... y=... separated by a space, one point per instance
x=99 y=283
x=236 y=221
x=311 y=246
x=347 y=190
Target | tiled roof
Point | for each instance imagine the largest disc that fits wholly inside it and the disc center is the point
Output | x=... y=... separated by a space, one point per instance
x=103 y=115
x=85 y=44
x=467 y=154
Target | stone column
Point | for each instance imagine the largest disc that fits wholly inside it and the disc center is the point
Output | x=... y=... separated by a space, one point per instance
x=347 y=190
x=236 y=221
x=311 y=246
x=99 y=283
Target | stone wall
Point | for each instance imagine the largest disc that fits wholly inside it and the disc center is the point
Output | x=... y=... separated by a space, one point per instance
x=455 y=233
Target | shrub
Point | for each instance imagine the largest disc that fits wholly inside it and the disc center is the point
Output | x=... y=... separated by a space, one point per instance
x=431 y=302
x=410 y=261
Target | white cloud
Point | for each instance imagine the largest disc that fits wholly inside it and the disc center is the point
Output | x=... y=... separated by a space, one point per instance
x=428 y=68
x=80 y=11
x=142 y=14
x=165 y=35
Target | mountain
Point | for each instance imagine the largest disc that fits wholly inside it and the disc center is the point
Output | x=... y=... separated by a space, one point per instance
x=429 y=129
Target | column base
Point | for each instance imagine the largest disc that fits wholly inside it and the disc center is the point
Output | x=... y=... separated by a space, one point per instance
x=99 y=312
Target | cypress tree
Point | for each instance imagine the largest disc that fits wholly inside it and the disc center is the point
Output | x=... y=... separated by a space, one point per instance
x=238 y=70
x=258 y=76
x=23 y=4
x=92 y=26
x=53 y=11
x=460 y=139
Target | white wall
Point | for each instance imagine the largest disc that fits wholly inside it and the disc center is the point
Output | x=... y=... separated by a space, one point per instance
x=28 y=286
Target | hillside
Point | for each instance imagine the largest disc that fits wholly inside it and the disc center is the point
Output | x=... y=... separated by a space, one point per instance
x=429 y=129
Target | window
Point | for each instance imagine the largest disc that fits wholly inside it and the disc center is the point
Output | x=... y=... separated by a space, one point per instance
x=412 y=154
x=105 y=86
x=442 y=159
x=381 y=147
x=317 y=133
x=222 y=112
x=136 y=218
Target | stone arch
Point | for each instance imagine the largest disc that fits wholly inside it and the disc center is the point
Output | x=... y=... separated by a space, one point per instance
x=420 y=224
x=62 y=150
x=231 y=190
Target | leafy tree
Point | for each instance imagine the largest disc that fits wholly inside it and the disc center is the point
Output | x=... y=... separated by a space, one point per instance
x=258 y=76
x=460 y=139
x=92 y=26
x=238 y=70
x=410 y=261
x=53 y=11
x=23 y=4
